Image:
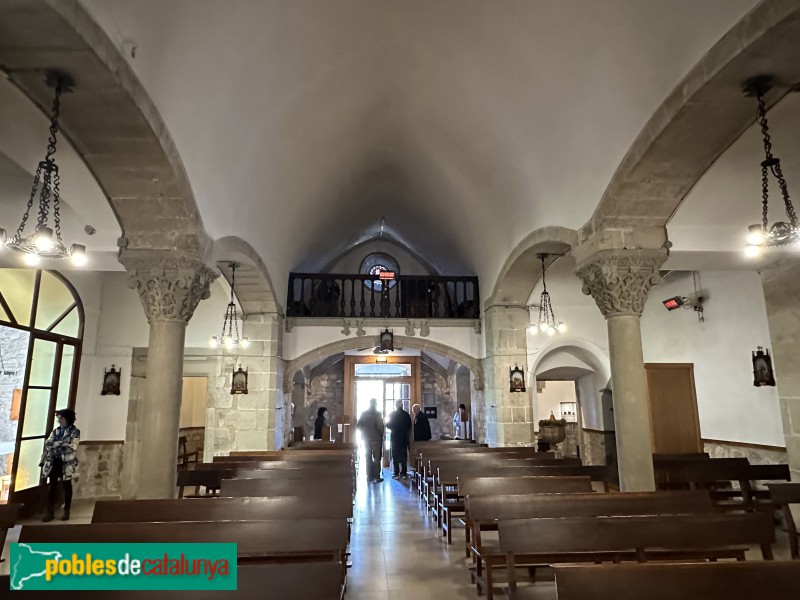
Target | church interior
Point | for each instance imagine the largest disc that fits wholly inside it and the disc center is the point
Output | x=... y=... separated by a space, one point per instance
x=427 y=299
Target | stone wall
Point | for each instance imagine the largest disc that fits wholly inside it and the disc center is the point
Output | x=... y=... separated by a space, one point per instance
x=757 y=455
x=325 y=389
x=437 y=391
x=195 y=438
x=14 y=353
x=100 y=470
x=781 y=284
x=593 y=447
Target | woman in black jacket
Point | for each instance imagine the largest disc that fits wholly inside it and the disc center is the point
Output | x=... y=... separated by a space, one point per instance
x=320 y=422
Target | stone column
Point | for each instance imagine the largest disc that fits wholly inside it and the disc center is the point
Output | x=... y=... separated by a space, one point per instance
x=170 y=286
x=619 y=281
x=508 y=416
x=781 y=284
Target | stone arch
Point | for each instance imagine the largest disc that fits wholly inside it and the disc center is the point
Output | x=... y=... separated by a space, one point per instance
x=109 y=119
x=522 y=269
x=254 y=288
x=298 y=393
x=585 y=351
x=698 y=121
x=323 y=352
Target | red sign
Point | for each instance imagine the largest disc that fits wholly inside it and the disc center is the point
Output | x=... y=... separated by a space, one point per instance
x=386 y=275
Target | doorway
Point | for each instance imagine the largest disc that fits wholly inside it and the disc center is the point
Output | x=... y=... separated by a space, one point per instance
x=41 y=326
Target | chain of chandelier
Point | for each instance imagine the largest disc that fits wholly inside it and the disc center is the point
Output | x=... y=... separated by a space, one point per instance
x=546 y=322
x=781 y=233
x=229 y=336
x=45 y=242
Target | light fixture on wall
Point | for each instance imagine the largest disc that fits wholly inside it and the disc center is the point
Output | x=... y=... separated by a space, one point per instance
x=763 y=375
x=45 y=241
x=547 y=323
x=229 y=337
x=780 y=233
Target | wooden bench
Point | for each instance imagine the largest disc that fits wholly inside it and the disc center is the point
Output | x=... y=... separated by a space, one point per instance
x=632 y=538
x=450 y=506
x=783 y=495
x=331 y=487
x=9 y=515
x=276 y=541
x=445 y=472
x=308 y=580
x=222 y=509
x=716 y=475
x=694 y=581
x=485 y=511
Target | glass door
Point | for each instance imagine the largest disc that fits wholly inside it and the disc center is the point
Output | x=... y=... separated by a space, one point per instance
x=47 y=386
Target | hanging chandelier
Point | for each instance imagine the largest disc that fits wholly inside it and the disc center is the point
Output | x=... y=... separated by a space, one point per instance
x=229 y=337
x=781 y=233
x=547 y=323
x=45 y=242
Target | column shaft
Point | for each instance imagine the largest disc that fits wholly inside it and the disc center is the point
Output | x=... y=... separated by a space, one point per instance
x=631 y=408
x=160 y=411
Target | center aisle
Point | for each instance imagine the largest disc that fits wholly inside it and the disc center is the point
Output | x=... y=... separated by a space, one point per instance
x=398 y=552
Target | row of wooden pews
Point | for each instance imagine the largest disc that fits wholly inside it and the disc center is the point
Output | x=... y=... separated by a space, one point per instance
x=524 y=510
x=289 y=512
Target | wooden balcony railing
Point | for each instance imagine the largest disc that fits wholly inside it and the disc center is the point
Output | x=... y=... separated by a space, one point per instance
x=363 y=296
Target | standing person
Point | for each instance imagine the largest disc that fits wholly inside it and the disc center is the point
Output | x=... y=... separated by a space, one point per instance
x=370 y=423
x=60 y=461
x=422 y=427
x=461 y=423
x=320 y=422
x=400 y=424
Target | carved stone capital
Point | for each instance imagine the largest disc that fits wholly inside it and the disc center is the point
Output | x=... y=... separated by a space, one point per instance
x=170 y=284
x=619 y=280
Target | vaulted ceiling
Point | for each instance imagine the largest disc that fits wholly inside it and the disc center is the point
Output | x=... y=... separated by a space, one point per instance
x=466 y=124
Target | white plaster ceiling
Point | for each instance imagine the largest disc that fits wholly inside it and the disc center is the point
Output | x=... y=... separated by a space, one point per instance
x=466 y=123
x=708 y=230
x=23 y=142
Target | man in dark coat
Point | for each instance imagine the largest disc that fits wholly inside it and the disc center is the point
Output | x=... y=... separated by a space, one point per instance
x=370 y=423
x=422 y=427
x=400 y=424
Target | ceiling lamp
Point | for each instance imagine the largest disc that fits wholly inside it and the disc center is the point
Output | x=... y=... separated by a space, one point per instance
x=229 y=338
x=45 y=241
x=781 y=233
x=547 y=320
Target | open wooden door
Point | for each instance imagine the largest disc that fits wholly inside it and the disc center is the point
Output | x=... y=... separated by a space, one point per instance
x=674 y=422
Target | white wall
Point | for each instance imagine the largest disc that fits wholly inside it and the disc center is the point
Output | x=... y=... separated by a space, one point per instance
x=550 y=398
x=730 y=407
x=115 y=324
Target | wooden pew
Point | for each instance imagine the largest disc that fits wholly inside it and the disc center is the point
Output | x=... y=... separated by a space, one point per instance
x=632 y=538
x=505 y=485
x=783 y=495
x=710 y=474
x=276 y=541
x=319 y=445
x=446 y=470
x=485 y=511
x=184 y=456
x=332 y=487
x=307 y=580
x=9 y=515
x=695 y=581
x=223 y=509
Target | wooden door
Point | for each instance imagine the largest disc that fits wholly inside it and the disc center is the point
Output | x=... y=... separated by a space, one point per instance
x=674 y=423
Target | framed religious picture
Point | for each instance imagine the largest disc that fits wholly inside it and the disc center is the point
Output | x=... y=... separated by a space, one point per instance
x=239 y=382
x=387 y=341
x=516 y=377
x=111 y=378
x=762 y=368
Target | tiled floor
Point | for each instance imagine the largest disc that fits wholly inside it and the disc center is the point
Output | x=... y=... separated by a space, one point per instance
x=398 y=552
